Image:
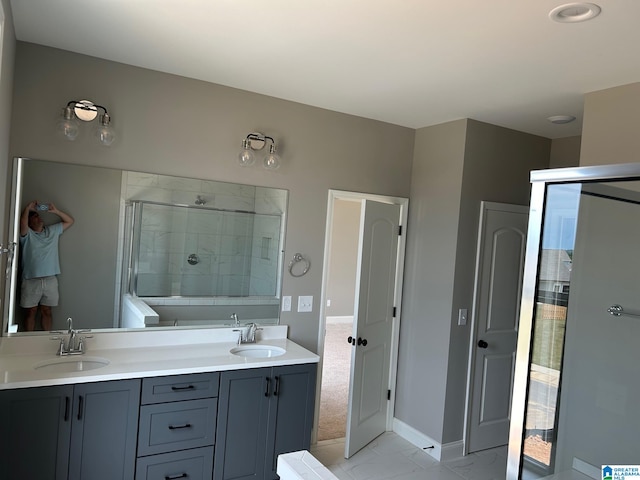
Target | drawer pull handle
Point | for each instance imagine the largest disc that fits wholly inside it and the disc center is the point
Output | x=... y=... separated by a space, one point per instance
x=177 y=427
x=178 y=389
x=175 y=477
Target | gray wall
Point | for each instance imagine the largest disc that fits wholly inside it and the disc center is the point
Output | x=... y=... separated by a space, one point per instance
x=565 y=152
x=456 y=166
x=610 y=126
x=341 y=284
x=428 y=284
x=178 y=126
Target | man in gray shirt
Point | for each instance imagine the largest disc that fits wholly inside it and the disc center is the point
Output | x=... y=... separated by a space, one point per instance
x=40 y=262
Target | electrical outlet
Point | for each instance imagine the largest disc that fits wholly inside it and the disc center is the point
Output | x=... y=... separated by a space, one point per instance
x=286 y=303
x=328 y=302
x=305 y=303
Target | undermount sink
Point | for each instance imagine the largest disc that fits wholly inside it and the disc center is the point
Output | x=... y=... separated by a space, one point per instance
x=257 y=351
x=71 y=364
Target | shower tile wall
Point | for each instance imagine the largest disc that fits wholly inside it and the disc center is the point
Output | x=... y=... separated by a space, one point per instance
x=221 y=240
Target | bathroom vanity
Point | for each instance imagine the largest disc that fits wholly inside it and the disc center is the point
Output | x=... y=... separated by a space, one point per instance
x=154 y=408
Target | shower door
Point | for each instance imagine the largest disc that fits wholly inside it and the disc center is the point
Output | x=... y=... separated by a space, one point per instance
x=578 y=366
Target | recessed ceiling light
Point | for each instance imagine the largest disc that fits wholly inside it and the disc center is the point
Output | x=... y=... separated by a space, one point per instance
x=574 y=12
x=560 y=119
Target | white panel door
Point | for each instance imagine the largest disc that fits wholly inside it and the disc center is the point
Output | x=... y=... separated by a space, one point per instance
x=499 y=269
x=373 y=324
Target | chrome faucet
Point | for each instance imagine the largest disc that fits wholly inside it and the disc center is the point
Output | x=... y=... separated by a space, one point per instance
x=236 y=322
x=251 y=333
x=248 y=333
x=74 y=344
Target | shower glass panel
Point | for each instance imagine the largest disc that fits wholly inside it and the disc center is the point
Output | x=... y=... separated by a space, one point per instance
x=186 y=251
x=550 y=315
x=577 y=375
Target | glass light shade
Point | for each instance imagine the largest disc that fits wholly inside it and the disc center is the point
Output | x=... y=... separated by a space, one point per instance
x=246 y=158
x=104 y=132
x=271 y=161
x=68 y=126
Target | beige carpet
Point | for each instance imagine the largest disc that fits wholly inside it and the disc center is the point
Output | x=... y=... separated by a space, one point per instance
x=334 y=394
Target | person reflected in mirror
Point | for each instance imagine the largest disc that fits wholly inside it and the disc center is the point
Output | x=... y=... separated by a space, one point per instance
x=40 y=262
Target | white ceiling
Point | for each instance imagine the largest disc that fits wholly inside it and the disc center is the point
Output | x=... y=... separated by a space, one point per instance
x=409 y=62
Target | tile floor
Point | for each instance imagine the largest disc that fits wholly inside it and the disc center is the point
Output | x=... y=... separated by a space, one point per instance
x=392 y=457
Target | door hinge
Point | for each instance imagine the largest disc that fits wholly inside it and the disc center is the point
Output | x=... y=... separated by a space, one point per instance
x=394 y=312
x=388 y=394
x=399 y=230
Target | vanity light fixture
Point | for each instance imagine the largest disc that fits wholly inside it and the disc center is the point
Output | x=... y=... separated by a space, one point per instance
x=257 y=141
x=86 y=111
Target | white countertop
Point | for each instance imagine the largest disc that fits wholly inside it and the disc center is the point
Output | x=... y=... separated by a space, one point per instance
x=142 y=354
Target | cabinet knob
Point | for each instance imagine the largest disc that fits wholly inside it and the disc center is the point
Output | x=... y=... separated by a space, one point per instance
x=482 y=344
x=362 y=341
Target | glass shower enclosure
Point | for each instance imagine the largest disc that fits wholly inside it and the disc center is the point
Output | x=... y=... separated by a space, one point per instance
x=577 y=374
x=198 y=251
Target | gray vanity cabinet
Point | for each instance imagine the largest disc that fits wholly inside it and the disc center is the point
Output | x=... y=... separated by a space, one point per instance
x=103 y=431
x=36 y=430
x=177 y=427
x=86 y=431
x=262 y=413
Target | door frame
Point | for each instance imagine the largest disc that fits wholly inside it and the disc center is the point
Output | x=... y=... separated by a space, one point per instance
x=473 y=333
x=334 y=195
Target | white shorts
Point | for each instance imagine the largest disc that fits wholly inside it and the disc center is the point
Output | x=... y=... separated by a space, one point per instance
x=39 y=291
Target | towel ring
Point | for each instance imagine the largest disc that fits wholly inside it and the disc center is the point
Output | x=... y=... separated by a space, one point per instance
x=297 y=258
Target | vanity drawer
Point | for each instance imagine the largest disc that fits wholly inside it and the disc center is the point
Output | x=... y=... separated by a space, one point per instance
x=194 y=464
x=167 y=427
x=179 y=387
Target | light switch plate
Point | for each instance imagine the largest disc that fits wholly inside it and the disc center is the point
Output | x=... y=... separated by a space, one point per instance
x=462 y=316
x=305 y=303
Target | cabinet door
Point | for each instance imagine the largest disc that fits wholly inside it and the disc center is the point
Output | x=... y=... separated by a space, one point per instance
x=290 y=412
x=242 y=424
x=35 y=425
x=104 y=430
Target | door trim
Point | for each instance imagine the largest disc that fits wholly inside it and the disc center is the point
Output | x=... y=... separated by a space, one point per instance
x=402 y=241
x=473 y=333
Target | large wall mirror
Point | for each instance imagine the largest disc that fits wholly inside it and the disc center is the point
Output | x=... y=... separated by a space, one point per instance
x=148 y=250
x=577 y=380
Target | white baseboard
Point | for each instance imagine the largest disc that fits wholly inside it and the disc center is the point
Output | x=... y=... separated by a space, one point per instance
x=452 y=450
x=440 y=452
x=419 y=439
x=586 y=469
x=434 y=449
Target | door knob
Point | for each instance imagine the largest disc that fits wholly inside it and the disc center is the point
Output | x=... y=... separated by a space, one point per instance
x=362 y=341
x=483 y=344
x=351 y=340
